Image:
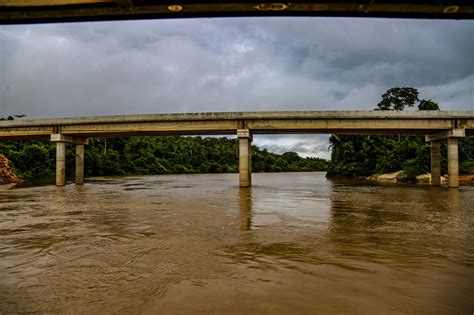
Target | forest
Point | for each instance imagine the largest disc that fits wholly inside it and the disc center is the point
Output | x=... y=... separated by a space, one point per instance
x=151 y=155
x=362 y=156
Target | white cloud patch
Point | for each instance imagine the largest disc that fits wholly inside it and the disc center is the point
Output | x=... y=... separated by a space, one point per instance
x=304 y=145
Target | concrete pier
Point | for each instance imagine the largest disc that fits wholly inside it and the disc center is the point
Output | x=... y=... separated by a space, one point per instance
x=79 y=164
x=61 y=141
x=60 y=163
x=245 y=157
x=453 y=136
x=435 y=163
x=453 y=166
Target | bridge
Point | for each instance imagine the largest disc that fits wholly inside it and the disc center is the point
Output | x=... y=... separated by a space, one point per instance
x=40 y=11
x=436 y=126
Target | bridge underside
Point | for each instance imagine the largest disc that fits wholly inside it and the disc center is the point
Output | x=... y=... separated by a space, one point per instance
x=406 y=132
x=40 y=11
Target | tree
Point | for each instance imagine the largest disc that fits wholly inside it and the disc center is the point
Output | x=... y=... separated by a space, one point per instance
x=360 y=156
x=13 y=117
x=398 y=98
x=151 y=155
x=428 y=105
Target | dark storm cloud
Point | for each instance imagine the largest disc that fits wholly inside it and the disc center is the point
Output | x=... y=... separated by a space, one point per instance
x=198 y=65
x=370 y=50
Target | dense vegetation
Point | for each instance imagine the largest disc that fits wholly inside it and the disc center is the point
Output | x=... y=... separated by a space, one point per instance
x=361 y=156
x=151 y=155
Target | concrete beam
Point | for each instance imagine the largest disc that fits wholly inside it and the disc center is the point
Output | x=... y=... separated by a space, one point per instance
x=244 y=133
x=245 y=157
x=60 y=163
x=340 y=122
x=125 y=4
x=453 y=163
x=41 y=11
x=435 y=163
x=446 y=134
x=58 y=137
x=61 y=141
x=466 y=116
x=79 y=164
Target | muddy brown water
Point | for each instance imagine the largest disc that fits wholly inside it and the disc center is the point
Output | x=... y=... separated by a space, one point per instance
x=183 y=244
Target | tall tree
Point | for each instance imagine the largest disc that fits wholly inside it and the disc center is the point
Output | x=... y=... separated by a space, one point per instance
x=398 y=98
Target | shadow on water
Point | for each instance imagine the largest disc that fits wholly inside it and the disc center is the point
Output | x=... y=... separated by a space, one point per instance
x=245 y=207
x=35 y=183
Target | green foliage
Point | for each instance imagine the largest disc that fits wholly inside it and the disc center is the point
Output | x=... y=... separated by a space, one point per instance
x=428 y=105
x=151 y=155
x=362 y=156
x=398 y=98
x=13 y=117
x=34 y=159
x=466 y=155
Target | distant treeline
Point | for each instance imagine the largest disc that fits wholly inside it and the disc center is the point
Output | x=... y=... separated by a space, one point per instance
x=361 y=156
x=151 y=155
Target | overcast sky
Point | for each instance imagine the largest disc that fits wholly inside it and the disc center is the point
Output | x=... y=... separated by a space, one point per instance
x=233 y=64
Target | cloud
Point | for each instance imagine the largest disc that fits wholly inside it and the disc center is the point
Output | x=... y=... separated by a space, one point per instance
x=238 y=64
x=304 y=145
x=452 y=95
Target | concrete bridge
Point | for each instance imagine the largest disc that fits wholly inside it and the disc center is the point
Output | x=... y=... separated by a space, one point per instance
x=434 y=125
x=39 y=11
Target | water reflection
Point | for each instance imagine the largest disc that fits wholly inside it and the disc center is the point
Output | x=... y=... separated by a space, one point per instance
x=454 y=199
x=245 y=208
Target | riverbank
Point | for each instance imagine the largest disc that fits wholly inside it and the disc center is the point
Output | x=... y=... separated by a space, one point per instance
x=6 y=174
x=401 y=177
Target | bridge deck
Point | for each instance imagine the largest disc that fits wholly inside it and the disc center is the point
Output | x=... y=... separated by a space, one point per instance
x=224 y=123
x=38 y=11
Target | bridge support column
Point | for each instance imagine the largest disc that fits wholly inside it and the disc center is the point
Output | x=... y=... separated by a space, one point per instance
x=452 y=136
x=435 y=163
x=79 y=164
x=60 y=163
x=245 y=157
x=61 y=141
x=453 y=166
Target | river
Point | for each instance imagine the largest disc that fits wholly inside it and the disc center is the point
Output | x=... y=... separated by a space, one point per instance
x=183 y=244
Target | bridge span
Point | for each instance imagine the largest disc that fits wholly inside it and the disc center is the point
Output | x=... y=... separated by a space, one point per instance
x=434 y=125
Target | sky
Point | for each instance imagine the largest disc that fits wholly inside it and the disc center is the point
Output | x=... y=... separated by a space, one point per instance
x=233 y=64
